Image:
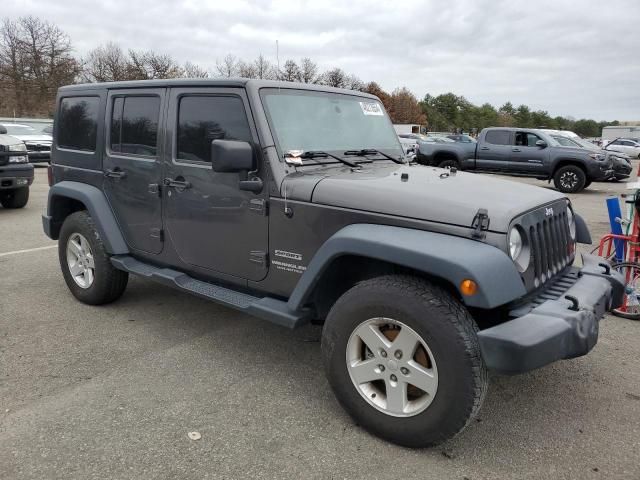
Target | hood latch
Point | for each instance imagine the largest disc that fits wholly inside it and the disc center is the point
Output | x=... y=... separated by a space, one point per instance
x=480 y=223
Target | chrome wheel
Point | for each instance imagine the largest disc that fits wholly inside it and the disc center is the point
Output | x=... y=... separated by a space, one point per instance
x=80 y=260
x=392 y=367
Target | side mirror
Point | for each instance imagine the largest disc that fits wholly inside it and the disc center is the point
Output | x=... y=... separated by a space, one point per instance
x=541 y=144
x=231 y=156
x=234 y=156
x=3 y=130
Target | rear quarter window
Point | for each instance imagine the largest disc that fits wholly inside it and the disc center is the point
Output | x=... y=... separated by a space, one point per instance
x=78 y=123
x=498 y=137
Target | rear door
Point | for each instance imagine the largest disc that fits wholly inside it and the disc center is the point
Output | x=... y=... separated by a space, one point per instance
x=494 y=150
x=526 y=156
x=132 y=165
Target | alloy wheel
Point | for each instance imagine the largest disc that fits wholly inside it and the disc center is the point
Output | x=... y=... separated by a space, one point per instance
x=392 y=367
x=80 y=260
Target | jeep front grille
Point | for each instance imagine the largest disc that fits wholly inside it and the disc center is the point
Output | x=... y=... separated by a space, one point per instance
x=550 y=244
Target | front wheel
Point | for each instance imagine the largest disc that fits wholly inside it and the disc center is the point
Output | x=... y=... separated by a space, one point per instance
x=570 y=179
x=403 y=359
x=17 y=198
x=450 y=163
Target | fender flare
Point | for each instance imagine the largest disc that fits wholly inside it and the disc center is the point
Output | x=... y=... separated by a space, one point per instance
x=99 y=209
x=582 y=231
x=445 y=256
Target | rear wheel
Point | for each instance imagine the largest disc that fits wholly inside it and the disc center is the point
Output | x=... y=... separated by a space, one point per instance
x=85 y=264
x=570 y=179
x=402 y=357
x=630 y=307
x=17 y=198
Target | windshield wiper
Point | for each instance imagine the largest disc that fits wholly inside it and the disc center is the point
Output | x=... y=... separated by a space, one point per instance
x=371 y=151
x=320 y=154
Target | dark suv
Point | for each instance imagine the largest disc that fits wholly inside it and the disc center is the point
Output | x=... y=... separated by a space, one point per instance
x=16 y=174
x=294 y=203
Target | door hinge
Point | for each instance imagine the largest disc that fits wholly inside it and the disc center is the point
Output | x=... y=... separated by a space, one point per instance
x=480 y=223
x=154 y=189
x=259 y=257
x=157 y=233
x=259 y=206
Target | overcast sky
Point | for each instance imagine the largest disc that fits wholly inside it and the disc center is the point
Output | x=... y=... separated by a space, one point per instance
x=573 y=58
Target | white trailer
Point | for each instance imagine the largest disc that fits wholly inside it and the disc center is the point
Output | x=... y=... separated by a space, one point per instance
x=408 y=128
x=625 y=131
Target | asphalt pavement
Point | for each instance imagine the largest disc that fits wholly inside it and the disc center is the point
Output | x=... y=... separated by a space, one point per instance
x=112 y=392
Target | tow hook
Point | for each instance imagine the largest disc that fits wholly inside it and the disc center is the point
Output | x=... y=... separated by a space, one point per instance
x=575 y=305
x=607 y=268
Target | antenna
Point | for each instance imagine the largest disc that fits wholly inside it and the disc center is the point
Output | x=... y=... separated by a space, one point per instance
x=278 y=60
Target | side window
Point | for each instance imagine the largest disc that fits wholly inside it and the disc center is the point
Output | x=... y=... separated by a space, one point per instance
x=532 y=139
x=78 y=123
x=498 y=137
x=134 y=125
x=202 y=119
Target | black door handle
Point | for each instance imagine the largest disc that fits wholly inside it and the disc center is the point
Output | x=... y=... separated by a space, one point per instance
x=484 y=148
x=516 y=150
x=177 y=183
x=115 y=173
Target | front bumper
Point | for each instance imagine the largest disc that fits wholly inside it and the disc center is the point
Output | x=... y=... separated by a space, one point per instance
x=14 y=176
x=561 y=322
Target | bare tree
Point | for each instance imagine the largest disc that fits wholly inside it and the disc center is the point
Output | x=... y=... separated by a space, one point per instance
x=290 y=72
x=191 y=70
x=35 y=60
x=308 y=71
x=247 y=70
x=228 y=67
x=150 y=65
x=264 y=68
x=335 y=78
x=354 y=83
x=106 y=63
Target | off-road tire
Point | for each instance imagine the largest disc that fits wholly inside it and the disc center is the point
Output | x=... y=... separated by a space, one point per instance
x=17 y=198
x=449 y=163
x=109 y=283
x=451 y=334
x=576 y=181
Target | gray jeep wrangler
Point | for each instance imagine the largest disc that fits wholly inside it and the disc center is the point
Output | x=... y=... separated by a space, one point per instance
x=294 y=203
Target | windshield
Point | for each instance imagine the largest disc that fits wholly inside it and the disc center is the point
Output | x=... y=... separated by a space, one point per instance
x=19 y=129
x=331 y=122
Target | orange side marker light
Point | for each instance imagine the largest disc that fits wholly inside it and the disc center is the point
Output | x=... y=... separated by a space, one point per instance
x=468 y=287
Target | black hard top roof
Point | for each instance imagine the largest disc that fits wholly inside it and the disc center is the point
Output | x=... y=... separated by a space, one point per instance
x=205 y=82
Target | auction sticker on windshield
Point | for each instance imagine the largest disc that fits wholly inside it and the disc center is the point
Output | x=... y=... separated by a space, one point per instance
x=371 y=108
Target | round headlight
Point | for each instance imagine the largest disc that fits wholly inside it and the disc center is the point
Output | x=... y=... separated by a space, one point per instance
x=571 y=219
x=515 y=243
x=518 y=249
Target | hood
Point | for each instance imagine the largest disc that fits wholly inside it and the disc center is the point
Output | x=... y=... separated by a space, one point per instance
x=8 y=140
x=427 y=194
x=44 y=138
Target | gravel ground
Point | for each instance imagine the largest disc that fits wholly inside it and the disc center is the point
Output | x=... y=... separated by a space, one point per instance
x=112 y=392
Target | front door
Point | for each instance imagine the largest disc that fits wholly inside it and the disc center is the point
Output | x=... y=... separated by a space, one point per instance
x=211 y=222
x=132 y=165
x=526 y=156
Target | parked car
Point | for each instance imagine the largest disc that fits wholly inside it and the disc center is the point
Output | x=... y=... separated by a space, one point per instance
x=523 y=152
x=423 y=279
x=16 y=175
x=625 y=145
x=621 y=164
x=462 y=138
x=38 y=143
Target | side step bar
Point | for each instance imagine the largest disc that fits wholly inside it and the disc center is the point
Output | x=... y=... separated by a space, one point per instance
x=267 y=308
